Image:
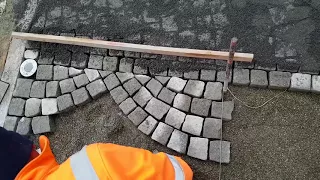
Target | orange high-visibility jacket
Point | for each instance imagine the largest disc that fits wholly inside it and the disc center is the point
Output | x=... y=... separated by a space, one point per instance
x=105 y=161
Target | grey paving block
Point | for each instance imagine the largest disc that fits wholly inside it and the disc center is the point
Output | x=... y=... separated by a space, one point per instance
x=62 y=58
x=42 y=124
x=127 y=106
x=124 y=77
x=104 y=74
x=44 y=72
x=38 y=89
x=200 y=107
x=46 y=58
x=221 y=75
x=31 y=54
x=157 y=108
x=193 y=125
x=132 y=86
x=142 y=97
x=162 y=79
x=81 y=80
x=67 y=86
x=132 y=54
x=140 y=66
x=300 y=82
x=279 y=80
x=23 y=87
x=74 y=72
x=259 y=78
x=162 y=133
x=24 y=126
x=11 y=123
x=113 y=52
x=119 y=94
x=60 y=73
x=154 y=87
x=137 y=116
x=33 y=107
x=80 y=96
x=110 y=63
x=111 y=81
x=148 y=125
x=198 y=148
x=182 y=102
x=49 y=106
x=96 y=88
x=95 y=62
x=176 y=84
x=52 y=89
x=178 y=141
x=154 y=71
x=241 y=77
x=79 y=60
x=166 y=95
x=216 y=110
x=315 y=86
x=99 y=51
x=212 y=128
x=194 y=88
x=175 y=118
x=92 y=74
x=143 y=79
x=16 y=107
x=126 y=65
x=191 y=75
x=208 y=75
x=213 y=91
x=3 y=89
x=214 y=151
x=149 y=56
x=175 y=73
x=65 y=102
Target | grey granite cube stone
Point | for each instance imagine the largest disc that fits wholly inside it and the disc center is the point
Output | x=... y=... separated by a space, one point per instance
x=46 y=58
x=24 y=126
x=162 y=79
x=182 y=102
x=104 y=74
x=194 y=88
x=149 y=55
x=44 y=72
x=198 y=148
x=191 y=75
x=49 y=106
x=38 y=89
x=96 y=88
x=178 y=141
x=157 y=108
x=79 y=60
x=81 y=80
x=214 y=151
x=154 y=87
x=241 y=77
x=16 y=107
x=166 y=95
x=95 y=62
x=216 y=110
x=175 y=118
x=126 y=65
x=208 y=75
x=176 y=84
x=212 y=128
x=3 y=89
x=259 y=78
x=62 y=58
x=279 y=80
x=67 y=86
x=221 y=75
x=31 y=54
x=200 y=107
x=119 y=94
x=92 y=74
x=74 y=72
x=11 y=123
x=213 y=91
x=175 y=73
x=143 y=79
x=33 y=107
x=193 y=125
x=140 y=66
x=110 y=63
x=300 y=82
x=124 y=77
x=23 y=87
x=132 y=86
x=60 y=73
x=111 y=81
x=127 y=106
x=114 y=52
x=132 y=54
x=148 y=125
x=65 y=102
x=315 y=86
x=142 y=97
x=162 y=133
x=137 y=116
x=52 y=89
x=80 y=96
x=42 y=124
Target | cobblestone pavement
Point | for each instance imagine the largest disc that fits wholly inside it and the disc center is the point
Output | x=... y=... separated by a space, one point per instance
x=283 y=34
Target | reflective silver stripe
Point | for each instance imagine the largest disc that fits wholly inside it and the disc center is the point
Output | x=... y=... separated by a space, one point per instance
x=81 y=166
x=179 y=174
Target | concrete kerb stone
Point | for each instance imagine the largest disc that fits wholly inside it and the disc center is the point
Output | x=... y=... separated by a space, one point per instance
x=176 y=84
x=212 y=128
x=49 y=106
x=241 y=77
x=315 y=86
x=67 y=86
x=194 y=88
x=92 y=74
x=200 y=106
x=80 y=96
x=162 y=133
x=148 y=125
x=279 y=80
x=52 y=89
x=132 y=86
x=65 y=102
x=216 y=110
x=213 y=91
x=124 y=77
x=110 y=63
x=44 y=72
x=24 y=126
x=137 y=116
x=23 y=88
x=127 y=106
x=81 y=80
x=178 y=141
x=38 y=89
x=111 y=81
x=300 y=82
x=214 y=151
x=198 y=148
x=60 y=73
x=42 y=124
x=126 y=65
x=3 y=89
x=33 y=107
x=259 y=78
x=95 y=62
x=16 y=107
x=74 y=72
x=154 y=87
x=193 y=125
x=119 y=94
x=143 y=79
x=142 y=97
x=182 y=102
x=96 y=88
x=11 y=123
x=175 y=118
x=166 y=95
